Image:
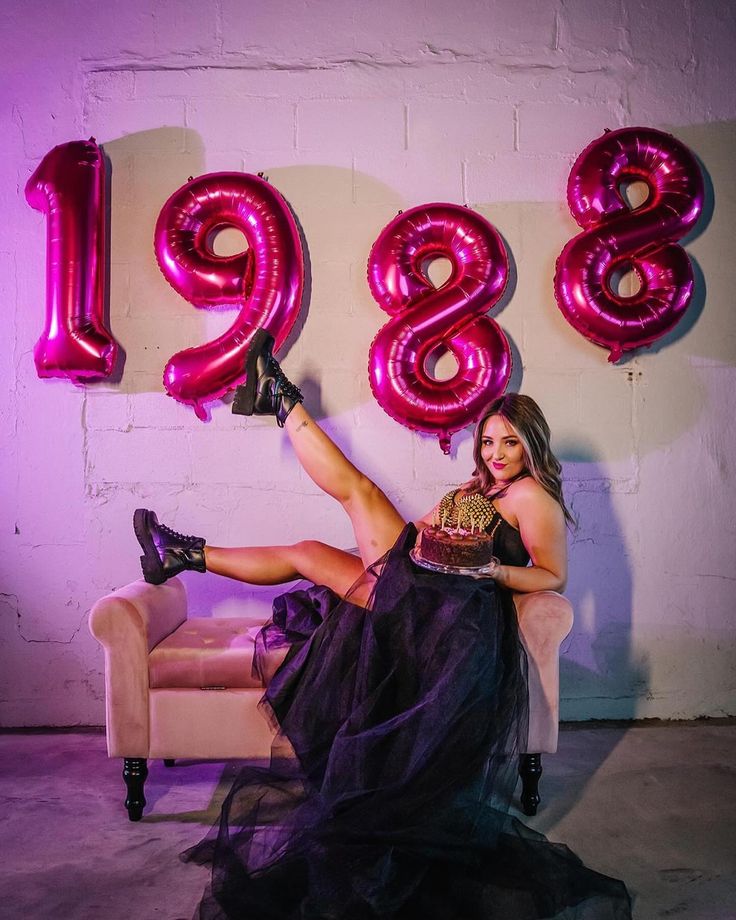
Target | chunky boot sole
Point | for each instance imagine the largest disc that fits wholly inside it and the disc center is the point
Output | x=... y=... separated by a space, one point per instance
x=153 y=570
x=245 y=395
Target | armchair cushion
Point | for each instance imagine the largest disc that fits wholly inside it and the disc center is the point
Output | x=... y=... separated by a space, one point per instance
x=206 y=653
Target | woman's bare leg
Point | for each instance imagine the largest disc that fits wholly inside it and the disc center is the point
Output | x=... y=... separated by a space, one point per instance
x=275 y=565
x=375 y=521
x=267 y=391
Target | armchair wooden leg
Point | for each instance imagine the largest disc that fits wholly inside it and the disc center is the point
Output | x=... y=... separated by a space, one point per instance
x=530 y=769
x=135 y=771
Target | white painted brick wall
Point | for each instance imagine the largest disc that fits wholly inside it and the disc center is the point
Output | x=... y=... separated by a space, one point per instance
x=474 y=127
x=347 y=125
x=562 y=128
x=356 y=110
x=239 y=123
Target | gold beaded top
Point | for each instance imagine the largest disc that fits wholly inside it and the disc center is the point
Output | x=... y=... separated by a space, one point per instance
x=469 y=512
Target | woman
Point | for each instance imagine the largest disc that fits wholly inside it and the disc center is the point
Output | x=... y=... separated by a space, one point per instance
x=402 y=694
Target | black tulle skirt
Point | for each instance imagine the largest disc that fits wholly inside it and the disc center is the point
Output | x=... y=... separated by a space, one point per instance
x=399 y=729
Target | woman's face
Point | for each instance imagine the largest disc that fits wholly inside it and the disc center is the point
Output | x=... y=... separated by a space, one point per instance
x=501 y=449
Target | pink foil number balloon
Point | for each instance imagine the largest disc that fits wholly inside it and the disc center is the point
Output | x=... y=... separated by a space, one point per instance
x=426 y=320
x=266 y=279
x=68 y=186
x=614 y=238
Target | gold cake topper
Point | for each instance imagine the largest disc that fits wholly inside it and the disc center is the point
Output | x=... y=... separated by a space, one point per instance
x=470 y=512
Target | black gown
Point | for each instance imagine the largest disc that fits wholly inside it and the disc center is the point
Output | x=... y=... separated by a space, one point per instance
x=406 y=720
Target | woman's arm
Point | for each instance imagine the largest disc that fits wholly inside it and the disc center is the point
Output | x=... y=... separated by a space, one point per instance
x=542 y=529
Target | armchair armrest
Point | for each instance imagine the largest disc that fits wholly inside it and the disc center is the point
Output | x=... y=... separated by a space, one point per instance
x=545 y=618
x=129 y=623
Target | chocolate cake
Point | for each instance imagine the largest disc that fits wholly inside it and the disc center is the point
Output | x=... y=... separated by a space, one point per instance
x=456 y=547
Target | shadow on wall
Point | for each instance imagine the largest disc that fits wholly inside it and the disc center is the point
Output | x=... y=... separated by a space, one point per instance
x=598 y=663
x=152 y=322
x=119 y=367
x=147 y=318
x=599 y=677
x=599 y=674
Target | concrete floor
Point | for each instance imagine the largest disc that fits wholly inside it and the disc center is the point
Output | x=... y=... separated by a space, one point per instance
x=654 y=805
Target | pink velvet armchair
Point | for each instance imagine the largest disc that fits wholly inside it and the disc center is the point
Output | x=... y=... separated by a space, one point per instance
x=180 y=686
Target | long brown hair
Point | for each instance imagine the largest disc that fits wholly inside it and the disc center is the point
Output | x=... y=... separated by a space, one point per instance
x=523 y=415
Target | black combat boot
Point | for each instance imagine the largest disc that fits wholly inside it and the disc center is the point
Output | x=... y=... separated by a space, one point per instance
x=165 y=552
x=266 y=390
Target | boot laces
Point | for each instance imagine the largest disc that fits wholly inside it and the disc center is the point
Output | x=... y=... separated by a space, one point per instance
x=284 y=387
x=175 y=535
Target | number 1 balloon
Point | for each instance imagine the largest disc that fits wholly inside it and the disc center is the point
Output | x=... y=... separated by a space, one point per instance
x=68 y=186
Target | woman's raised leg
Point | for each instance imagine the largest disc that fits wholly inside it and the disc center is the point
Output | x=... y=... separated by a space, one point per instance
x=267 y=391
x=376 y=523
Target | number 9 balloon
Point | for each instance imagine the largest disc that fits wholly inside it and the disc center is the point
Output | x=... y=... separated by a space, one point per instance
x=266 y=279
x=615 y=238
x=425 y=319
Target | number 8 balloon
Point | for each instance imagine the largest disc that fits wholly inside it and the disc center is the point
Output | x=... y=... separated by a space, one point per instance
x=615 y=238
x=425 y=319
x=266 y=279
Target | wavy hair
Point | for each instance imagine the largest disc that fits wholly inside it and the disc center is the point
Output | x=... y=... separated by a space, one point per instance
x=523 y=415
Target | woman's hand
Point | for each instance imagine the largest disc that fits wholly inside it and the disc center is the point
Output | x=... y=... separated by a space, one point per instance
x=494 y=565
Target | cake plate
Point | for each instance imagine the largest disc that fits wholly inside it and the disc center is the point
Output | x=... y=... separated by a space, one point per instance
x=488 y=569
